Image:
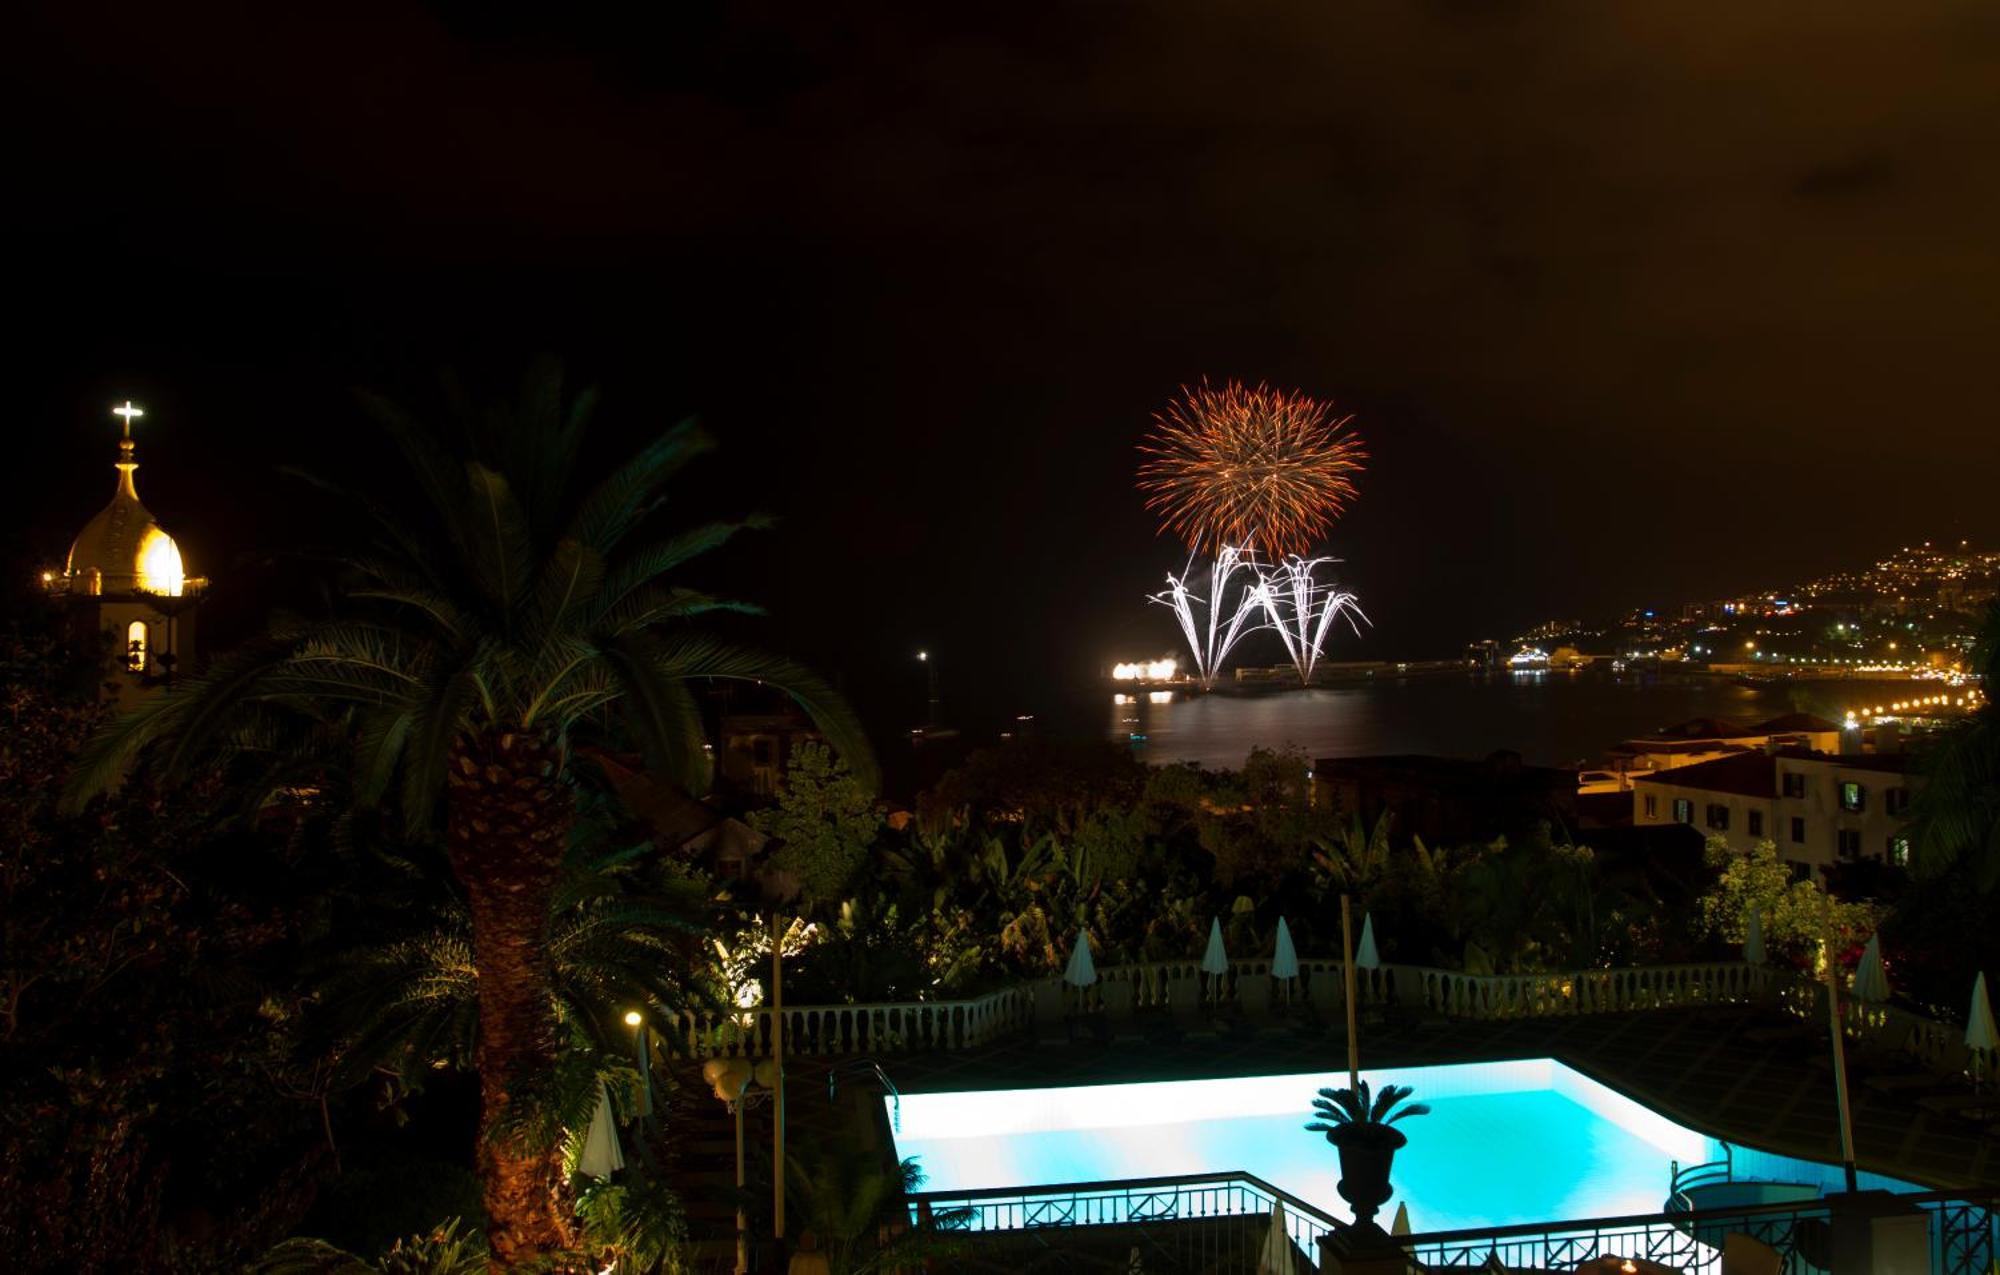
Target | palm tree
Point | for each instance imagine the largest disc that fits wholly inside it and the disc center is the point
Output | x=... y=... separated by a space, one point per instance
x=1956 y=815
x=473 y=643
x=620 y=937
x=853 y=1209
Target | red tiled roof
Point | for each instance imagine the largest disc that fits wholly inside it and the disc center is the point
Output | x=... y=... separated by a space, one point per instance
x=1753 y=774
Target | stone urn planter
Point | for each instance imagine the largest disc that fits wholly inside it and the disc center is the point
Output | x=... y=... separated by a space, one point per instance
x=1360 y=1127
x=1367 y=1151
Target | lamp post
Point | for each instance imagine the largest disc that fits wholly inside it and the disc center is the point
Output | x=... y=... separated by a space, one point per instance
x=642 y=1046
x=931 y=707
x=733 y=1080
x=1347 y=970
x=1839 y=1065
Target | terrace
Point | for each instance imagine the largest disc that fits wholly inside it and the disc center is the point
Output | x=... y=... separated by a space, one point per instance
x=1735 y=1051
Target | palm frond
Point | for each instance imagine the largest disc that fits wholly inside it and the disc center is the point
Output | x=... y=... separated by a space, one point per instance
x=502 y=553
x=190 y=719
x=649 y=562
x=438 y=474
x=444 y=717
x=402 y=539
x=378 y=746
x=537 y=441
x=704 y=657
x=660 y=710
x=627 y=494
x=655 y=603
x=439 y=609
x=568 y=584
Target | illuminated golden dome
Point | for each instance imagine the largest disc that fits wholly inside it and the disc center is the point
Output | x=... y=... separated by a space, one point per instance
x=124 y=549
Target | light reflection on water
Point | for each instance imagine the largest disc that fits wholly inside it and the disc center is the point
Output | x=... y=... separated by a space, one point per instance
x=1549 y=718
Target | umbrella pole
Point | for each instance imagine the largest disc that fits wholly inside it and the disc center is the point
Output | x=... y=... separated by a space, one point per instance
x=1840 y=1070
x=742 y=1220
x=778 y=1075
x=1347 y=965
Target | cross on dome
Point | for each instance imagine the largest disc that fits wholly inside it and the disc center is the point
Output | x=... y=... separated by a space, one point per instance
x=128 y=412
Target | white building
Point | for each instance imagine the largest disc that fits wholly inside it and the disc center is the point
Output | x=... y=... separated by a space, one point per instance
x=1819 y=809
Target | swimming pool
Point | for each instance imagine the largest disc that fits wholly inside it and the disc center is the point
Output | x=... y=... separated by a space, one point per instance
x=1506 y=1142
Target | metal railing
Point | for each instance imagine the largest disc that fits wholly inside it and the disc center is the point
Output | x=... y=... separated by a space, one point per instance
x=1207 y=1221
x=1220 y=1221
x=1684 y=1176
x=1964 y=1238
x=869 y=1065
x=1690 y=1242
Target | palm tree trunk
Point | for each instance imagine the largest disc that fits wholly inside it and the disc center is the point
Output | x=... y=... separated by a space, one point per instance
x=507 y=822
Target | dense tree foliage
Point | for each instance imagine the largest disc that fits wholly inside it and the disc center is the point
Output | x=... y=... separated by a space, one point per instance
x=157 y=1113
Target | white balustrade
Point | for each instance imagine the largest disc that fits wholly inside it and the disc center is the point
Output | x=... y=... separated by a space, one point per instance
x=926 y=1026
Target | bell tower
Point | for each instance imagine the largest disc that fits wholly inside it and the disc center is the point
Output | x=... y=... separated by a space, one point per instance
x=126 y=587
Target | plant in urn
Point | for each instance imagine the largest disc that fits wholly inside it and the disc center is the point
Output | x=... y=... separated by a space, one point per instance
x=1362 y=1132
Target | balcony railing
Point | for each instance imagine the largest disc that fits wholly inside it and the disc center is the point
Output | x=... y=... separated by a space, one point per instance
x=1180 y=987
x=1964 y=1239
x=1219 y=1221
x=1210 y=1221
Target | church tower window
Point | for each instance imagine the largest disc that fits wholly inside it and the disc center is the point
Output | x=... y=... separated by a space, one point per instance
x=135 y=647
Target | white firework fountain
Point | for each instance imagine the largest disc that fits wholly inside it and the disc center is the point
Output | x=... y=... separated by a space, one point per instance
x=1209 y=636
x=1289 y=598
x=1303 y=611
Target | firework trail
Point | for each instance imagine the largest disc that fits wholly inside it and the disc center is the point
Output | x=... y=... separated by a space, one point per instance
x=1252 y=468
x=1302 y=611
x=1209 y=636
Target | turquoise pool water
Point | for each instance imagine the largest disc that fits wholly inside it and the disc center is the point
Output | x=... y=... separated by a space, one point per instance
x=1507 y=1142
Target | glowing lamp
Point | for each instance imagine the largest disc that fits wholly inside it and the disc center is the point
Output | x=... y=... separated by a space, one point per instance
x=633 y=1018
x=159 y=564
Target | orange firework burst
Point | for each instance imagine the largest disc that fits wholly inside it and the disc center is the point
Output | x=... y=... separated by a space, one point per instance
x=1245 y=467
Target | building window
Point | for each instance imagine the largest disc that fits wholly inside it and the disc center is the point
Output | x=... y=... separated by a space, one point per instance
x=1850 y=843
x=1795 y=783
x=1853 y=797
x=135 y=647
x=1753 y=823
x=1899 y=851
x=1896 y=800
x=1718 y=817
x=1652 y=806
x=1798 y=831
x=1684 y=810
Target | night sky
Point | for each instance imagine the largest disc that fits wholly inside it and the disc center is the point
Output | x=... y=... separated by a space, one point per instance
x=1632 y=302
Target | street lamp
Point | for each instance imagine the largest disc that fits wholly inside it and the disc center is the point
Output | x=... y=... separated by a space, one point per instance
x=733 y=1079
x=931 y=709
x=642 y=1048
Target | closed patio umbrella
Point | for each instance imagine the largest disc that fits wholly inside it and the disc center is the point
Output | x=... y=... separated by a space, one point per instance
x=1275 y=1258
x=1980 y=1036
x=1871 y=982
x=1285 y=958
x=1401 y=1226
x=1753 y=937
x=1082 y=971
x=1365 y=954
x=1215 y=960
x=601 y=1156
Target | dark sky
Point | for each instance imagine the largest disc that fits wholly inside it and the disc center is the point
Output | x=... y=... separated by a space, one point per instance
x=1632 y=302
